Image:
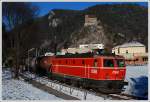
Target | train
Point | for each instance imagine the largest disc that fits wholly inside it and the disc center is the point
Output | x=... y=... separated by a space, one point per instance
x=103 y=73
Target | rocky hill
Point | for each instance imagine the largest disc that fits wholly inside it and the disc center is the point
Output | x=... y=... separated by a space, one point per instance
x=117 y=24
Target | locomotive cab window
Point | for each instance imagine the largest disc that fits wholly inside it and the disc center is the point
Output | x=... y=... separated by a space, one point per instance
x=108 y=63
x=120 y=63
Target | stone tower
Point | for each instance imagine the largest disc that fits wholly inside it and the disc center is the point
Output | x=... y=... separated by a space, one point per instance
x=90 y=20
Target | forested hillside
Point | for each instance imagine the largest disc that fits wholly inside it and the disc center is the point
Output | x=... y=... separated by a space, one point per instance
x=117 y=24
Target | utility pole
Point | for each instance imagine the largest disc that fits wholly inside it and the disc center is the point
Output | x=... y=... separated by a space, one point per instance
x=28 y=56
x=28 y=61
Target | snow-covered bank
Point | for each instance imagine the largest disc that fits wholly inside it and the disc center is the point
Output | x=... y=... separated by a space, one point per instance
x=75 y=92
x=136 y=71
x=19 y=90
x=137 y=78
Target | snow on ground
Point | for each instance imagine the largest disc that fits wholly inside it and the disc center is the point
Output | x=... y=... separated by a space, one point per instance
x=19 y=90
x=67 y=90
x=131 y=72
x=136 y=71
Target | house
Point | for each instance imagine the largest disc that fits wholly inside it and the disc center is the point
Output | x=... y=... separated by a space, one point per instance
x=134 y=52
x=130 y=47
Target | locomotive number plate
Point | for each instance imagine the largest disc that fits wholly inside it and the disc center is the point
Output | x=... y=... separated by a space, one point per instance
x=115 y=72
x=94 y=71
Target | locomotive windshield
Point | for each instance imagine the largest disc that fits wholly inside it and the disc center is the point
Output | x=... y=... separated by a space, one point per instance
x=120 y=63
x=108 y=63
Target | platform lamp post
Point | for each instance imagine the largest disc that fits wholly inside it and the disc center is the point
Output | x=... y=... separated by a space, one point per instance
x=28 y=56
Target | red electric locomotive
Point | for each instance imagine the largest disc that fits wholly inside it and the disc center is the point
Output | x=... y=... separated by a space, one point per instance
x=101 y=72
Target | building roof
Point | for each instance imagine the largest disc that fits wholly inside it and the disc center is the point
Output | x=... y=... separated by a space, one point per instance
x=76 y=50
x=131 y=44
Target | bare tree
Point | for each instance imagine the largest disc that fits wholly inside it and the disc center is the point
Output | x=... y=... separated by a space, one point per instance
x=15 y=16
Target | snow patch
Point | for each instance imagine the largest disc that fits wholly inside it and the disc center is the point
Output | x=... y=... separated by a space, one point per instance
x=134 y=72
x=19 y=90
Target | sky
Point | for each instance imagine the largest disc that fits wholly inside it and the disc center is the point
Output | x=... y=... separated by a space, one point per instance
x=45 y=7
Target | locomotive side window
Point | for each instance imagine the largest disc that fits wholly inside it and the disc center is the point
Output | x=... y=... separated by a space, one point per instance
x=120 y=63
x=108 y=63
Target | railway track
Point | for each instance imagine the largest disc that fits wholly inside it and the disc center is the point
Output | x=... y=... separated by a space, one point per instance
x=43 y=81
x=48 y=89
x=122 y=96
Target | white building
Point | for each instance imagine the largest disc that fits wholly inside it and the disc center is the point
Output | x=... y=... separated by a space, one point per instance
x=130 y=49
x=92 y=46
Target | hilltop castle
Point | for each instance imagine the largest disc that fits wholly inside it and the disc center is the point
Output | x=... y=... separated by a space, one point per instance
x=90 y=20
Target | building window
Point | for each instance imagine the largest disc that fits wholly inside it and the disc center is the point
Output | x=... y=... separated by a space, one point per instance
x=118 y=50
x=126 y=51
x=137 y=59
x=145 y=59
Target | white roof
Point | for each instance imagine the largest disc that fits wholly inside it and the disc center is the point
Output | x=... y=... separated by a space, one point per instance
x=131 y=44
x=76 y=50
x=49 y=54
x=92 y=46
